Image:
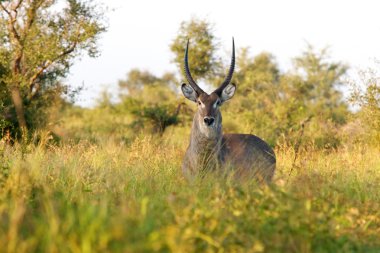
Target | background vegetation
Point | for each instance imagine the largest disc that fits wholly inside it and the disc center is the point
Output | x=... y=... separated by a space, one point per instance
x=108 y=178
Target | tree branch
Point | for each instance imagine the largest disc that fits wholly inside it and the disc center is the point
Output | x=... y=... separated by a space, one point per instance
x=12 y=20
x=35 y=92
x=47 y=64
x=31 y=14
x=18 y=5
x=38 y=74
x=5 y=8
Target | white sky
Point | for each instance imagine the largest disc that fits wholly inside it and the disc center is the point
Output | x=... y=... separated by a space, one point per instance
x=140 y=32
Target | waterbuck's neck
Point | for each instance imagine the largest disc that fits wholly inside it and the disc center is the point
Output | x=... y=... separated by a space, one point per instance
x=205 y=141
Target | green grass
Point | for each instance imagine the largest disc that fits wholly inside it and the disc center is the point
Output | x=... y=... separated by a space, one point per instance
x=112 y=197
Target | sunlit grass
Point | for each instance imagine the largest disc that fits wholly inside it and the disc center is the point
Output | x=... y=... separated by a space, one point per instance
x=85 y=197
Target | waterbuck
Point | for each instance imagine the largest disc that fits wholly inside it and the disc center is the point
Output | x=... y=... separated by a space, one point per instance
x=246 y=156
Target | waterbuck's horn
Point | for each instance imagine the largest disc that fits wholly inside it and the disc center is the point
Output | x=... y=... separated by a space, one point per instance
x=230 y=72
x=188 y=74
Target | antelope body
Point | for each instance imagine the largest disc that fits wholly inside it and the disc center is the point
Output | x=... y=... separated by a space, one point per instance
x=245 y=156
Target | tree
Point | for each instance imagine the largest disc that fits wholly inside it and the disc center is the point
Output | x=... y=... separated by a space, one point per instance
x=321 y=82
x=137 y=80
x=258 y=73
x=160 y=116
x=255 y=104
x=271 y=103
x=310 y=92
x=366 y=95
x=203 y=45
x=152 y=100
x=40 y=40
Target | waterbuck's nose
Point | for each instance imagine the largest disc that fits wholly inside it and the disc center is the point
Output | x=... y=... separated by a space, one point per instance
x=208 y=120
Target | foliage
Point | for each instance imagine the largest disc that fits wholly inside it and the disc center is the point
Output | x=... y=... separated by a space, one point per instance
x=138 y=79
x=38 y=50
x=303 y=104
x=257 y=95
x=279 y=106
x=97 y=126
x=314 y=90
x=203 y=46
x=132 y=198
x=320 y=84
x=369 y=103
x=110 y=185
x=160 y=116
x=150 y=99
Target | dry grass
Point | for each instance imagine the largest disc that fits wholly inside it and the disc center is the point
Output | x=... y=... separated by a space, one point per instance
x=107 y=197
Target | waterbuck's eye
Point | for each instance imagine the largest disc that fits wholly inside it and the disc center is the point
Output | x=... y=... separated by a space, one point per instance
x=199 y=102
x=217 y=103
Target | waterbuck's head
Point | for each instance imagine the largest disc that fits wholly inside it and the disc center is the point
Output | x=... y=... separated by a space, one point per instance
x=208 y=118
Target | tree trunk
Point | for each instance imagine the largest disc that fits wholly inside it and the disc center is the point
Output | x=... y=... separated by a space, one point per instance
x=17 y=101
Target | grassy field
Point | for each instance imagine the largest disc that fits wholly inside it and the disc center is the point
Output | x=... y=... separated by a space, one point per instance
x=114 y=197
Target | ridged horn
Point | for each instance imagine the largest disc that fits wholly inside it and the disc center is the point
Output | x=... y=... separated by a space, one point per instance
x=188 y=74
x=230 y=72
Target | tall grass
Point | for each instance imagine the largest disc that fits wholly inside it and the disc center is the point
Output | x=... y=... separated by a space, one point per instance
x=112 y=197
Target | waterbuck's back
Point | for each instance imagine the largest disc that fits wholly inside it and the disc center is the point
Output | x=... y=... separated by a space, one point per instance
x=248 y=156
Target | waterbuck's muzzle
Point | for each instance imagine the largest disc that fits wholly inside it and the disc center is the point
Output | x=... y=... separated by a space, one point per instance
x=209 y=120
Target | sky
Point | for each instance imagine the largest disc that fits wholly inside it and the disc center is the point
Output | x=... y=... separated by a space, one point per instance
x=140 y=32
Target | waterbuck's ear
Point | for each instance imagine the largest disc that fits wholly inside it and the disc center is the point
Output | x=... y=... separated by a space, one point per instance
x=228 y=92
x=189 y=92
